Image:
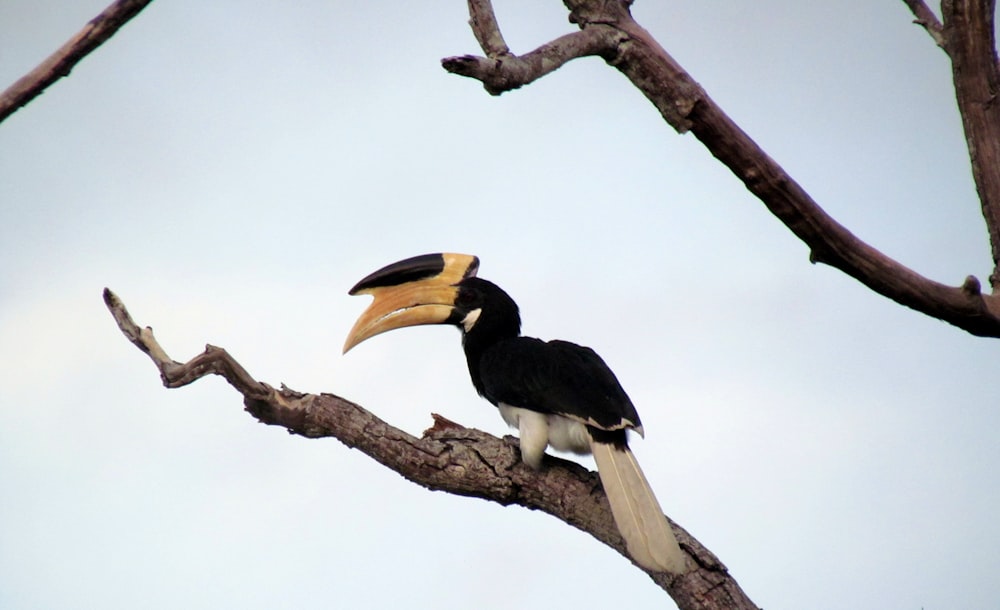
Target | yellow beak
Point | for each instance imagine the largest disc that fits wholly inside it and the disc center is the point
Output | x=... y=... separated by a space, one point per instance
x=412 y=292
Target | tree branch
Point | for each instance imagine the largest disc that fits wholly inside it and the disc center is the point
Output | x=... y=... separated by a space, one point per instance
x=926 y=18
x=687 y=107
x=60 y=63
x=504 y=72
x=484 y=25
x=970 y=43
x=448 y=457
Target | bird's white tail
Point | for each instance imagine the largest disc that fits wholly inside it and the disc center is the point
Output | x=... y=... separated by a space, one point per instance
x=648 y=536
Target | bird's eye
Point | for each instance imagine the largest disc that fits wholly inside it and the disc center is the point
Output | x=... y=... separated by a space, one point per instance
x=465 y=299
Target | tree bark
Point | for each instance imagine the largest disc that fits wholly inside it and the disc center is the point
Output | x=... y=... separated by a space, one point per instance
x=969 y=42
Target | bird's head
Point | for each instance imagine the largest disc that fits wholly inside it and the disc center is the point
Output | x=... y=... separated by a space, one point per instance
x=433 y=289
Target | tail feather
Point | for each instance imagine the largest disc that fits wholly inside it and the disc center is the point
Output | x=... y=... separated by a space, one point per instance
x=647 y=534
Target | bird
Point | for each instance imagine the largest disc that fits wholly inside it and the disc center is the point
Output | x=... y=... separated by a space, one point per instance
x=555 y=393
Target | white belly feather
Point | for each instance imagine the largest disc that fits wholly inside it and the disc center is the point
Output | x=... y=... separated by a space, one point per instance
x=538 y=430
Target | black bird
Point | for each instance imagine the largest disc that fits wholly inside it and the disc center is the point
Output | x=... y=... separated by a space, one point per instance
x=555 y=393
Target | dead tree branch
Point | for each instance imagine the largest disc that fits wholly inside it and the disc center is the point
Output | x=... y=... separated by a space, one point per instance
x=484 y=26
x=625 y=45
x=926 y=18
x=448 y=457
x=970 y=43
x=504 y=72
x=60 y=63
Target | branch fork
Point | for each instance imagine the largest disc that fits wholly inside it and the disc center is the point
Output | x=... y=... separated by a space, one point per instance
x=608 y=30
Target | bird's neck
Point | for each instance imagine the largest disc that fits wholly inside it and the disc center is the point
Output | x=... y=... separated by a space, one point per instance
x=476 y=343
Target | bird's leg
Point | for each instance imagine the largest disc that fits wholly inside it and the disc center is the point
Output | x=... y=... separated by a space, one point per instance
x=533 y=429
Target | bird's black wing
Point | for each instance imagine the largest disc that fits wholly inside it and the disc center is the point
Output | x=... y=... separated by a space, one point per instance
x=556 y=377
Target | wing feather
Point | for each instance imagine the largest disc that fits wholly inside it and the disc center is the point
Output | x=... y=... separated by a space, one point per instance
x=557 y=377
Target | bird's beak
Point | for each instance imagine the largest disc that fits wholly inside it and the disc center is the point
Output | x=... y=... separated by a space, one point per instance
x=410 y=292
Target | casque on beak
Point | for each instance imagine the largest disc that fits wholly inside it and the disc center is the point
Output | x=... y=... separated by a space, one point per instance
x=410 y=292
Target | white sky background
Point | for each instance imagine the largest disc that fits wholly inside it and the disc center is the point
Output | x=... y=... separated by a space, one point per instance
x=230 y=169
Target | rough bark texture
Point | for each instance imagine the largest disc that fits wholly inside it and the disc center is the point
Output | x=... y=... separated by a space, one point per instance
x=448 y=457
x=60 y=63
x=969 y=42
x=926 y=18
x=610 y=32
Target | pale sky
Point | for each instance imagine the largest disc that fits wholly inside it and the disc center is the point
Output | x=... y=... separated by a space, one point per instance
x=230 y=169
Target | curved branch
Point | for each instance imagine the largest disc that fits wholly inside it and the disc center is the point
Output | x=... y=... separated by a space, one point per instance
x=484 y=26
x=60 y=63
x=448 y=457
x=504 y=72
x=687 y=107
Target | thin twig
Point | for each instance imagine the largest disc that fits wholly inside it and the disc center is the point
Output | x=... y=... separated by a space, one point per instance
x=214 y=360
x=60 y=63
x=926 y=18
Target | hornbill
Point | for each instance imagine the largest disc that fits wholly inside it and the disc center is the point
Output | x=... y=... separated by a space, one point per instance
x=555 y=393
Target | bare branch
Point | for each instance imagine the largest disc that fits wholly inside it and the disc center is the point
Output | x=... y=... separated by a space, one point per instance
x=687 y=107
x=60 y=63
x=449 y=458
x=500 y=73
x=484 y=25
x=926 y=18
x=214 y=360
x=970 y=42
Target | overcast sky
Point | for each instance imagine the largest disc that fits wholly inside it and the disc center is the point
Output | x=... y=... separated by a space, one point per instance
x=230 y=169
